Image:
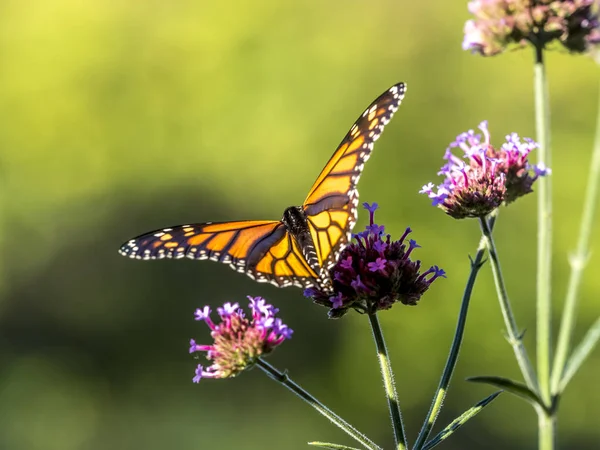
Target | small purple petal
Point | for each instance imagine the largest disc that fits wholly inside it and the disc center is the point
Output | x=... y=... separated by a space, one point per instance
x=260 y=306
x=448 y=153
x=311 y=292
x=202 y=314
x=379 y=264
x=413 y=244
x=337 y=301
x=513 y=138
x=483 y=126
x=473 y=39
x=357 y=284
x=439 y=272
x=339 y=276
x=440 y=197
x=541 y=170
x=371 y=208
x=380 y=246
x=265 y=322
x=282 y=329
x=228 y=309
x=446 y=169
x=255 y=302
x=426 y=189
x=475 y=152
x=346 y=263
x=199 y=374
x=375 y=229
x=361 y=234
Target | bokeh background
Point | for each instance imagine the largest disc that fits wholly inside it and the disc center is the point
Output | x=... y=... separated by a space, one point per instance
x=119 y=117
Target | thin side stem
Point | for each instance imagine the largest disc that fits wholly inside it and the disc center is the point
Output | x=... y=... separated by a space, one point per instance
x=442 y=389
x=544 y=237
x=578 y=262
x=282 y=378
x=515 y=337
x=388 y=383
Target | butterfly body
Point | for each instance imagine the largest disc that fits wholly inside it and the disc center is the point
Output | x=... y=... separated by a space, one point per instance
x=299 y=249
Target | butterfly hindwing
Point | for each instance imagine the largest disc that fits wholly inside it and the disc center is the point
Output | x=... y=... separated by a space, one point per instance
x=331 y=204
x=285 y=265
x=330 y=230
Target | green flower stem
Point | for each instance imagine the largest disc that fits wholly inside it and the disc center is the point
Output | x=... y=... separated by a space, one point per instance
x=578 y=262
x=546 y=423
x=547 y=430
x=544 y=238
x=515 y=337
x=442 y=389
x=388 y=382
x=281 y=377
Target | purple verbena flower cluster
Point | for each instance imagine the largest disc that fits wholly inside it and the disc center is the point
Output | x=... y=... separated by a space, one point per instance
x=500 y=23
x=373 y=273
x=238 y=342
x=488 y=177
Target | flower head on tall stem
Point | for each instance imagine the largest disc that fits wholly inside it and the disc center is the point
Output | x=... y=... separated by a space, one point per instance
x=485 y=177
x=239 y=341
x=375 y=272
x=498 y=24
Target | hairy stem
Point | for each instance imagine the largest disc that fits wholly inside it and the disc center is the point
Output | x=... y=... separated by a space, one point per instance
x=388 y=383
x=515 y=337
x=282 y=378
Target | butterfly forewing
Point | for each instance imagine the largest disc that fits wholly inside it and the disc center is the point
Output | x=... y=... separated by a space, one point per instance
x=262 y=249
x=334 y=191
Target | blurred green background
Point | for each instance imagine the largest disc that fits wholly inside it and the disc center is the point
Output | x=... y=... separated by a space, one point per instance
x=119 y=117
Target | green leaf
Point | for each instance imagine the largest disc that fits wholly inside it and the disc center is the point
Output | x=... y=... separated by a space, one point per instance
x=579 y=355
x=331 y=446
x=460 y=421
x=514 y=387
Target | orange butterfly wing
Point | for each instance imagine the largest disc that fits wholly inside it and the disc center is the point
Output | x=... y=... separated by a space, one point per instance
x=262 y=249
x=331 y=204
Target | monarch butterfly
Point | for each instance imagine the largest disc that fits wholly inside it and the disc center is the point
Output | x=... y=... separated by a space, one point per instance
x=299 y=249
